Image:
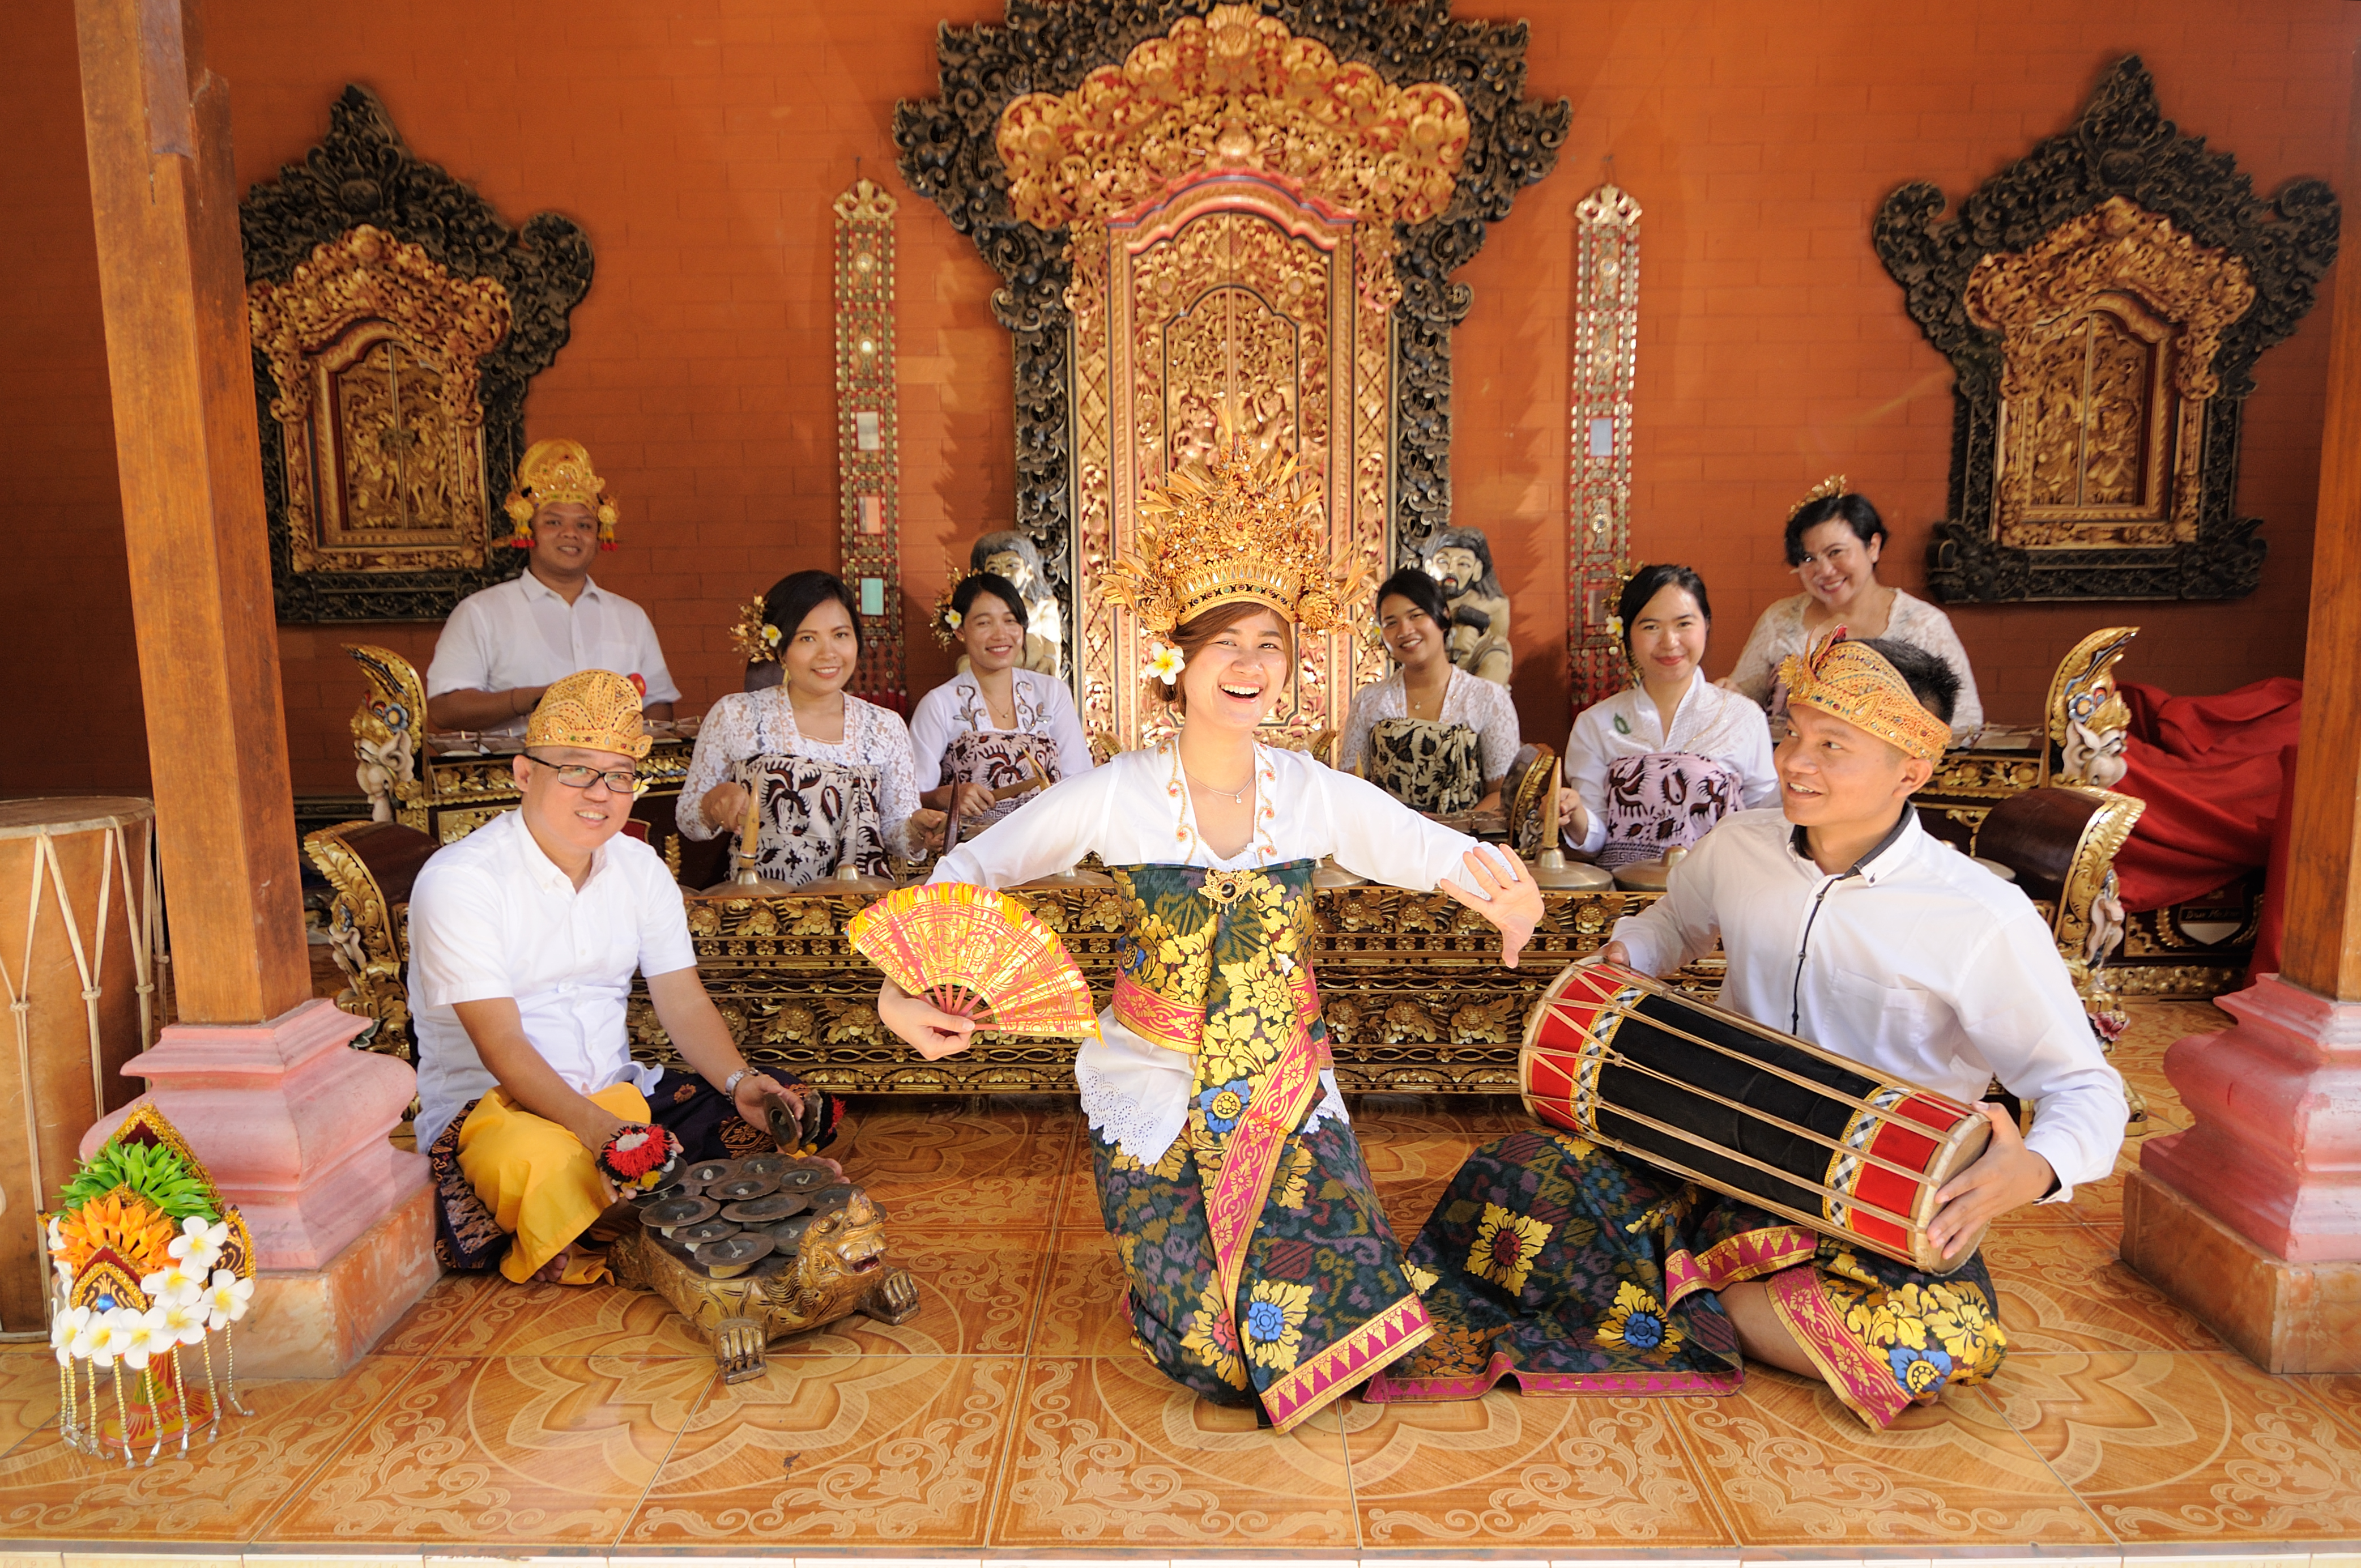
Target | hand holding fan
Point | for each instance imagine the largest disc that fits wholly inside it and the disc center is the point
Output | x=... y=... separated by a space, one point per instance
x=977 y=953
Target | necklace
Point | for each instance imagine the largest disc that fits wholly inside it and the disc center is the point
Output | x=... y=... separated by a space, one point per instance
x=1415 y=702
x=1234 y=796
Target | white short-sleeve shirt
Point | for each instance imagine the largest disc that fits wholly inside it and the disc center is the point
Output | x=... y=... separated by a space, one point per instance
x=523 y=634
x=492 y=916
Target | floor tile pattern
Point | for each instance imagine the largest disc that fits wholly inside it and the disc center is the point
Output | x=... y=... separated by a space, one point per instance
x=1011 y=1418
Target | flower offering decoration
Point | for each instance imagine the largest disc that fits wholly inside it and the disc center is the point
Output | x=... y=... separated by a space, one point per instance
x=974 y=951
x=148 y=1263
x=640 y=1158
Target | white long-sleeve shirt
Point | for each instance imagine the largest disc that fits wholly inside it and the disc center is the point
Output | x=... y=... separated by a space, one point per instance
x=756 y=724
x=1918 y=963
x=1043 y=707
x=1708 y=721
x=1136 y=811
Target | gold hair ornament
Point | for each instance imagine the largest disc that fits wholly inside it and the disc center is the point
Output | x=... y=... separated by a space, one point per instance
x=553 y=473
x=1233 y=527
x=1834 y=484
x=756 y=640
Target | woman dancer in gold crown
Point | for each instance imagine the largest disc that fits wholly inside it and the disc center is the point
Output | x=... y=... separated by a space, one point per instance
x=1261 y=1267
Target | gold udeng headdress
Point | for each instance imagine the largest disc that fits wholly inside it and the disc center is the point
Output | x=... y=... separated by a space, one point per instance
x=596 y=710
x=1233 y=527
x=554 y=472
x=1857 y=684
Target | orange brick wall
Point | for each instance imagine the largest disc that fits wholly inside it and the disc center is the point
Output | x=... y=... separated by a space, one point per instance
x=700 y=142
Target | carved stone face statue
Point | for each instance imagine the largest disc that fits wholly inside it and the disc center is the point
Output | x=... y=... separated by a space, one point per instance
x=1015 y=567
x=1456 y=569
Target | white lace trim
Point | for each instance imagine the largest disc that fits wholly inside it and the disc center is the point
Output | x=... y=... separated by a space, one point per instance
x=1146 y=1132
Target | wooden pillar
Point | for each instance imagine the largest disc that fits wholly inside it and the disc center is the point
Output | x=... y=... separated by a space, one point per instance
x=256 y=1074
x=2252 y=1218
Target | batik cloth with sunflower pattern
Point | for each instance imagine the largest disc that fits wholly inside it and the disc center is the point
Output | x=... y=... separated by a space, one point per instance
x=1578 y=1270
x=1219 y=960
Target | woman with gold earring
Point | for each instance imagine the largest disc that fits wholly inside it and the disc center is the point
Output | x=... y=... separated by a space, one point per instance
x=1834 y=540
x=1262 y=1270
x=1658 y=764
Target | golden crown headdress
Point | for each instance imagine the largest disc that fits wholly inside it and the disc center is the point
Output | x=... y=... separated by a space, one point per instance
x=1834 y=484
x=1234 y=526
x=554 y=472
x=596 y=710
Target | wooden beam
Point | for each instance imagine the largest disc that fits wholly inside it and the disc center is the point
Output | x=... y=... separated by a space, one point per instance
x=2322 y=950
x=173 y=286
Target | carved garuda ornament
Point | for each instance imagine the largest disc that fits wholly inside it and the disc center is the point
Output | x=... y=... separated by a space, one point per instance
x=2104 y=302
x=396 y=322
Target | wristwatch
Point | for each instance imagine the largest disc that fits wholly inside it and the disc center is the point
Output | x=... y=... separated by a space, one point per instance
x=729 y=1084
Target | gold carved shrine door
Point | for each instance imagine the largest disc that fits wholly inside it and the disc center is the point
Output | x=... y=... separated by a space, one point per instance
x=1230 y=302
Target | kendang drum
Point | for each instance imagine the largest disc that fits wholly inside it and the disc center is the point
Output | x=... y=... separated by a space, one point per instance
x=78 y=958
x=1761 y=1116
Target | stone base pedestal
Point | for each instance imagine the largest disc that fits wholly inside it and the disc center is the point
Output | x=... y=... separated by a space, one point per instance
x=2285 y=1317
x=316 y=1322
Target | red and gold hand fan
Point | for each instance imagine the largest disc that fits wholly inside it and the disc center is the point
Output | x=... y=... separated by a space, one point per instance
x=980 y=954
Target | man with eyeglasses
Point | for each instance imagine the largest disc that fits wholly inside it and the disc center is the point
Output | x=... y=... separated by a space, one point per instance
x=523 y=938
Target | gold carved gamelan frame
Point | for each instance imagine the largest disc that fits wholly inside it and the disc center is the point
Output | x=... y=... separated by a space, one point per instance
x=396 y=321
x=1236 y=217
x=2103 y=302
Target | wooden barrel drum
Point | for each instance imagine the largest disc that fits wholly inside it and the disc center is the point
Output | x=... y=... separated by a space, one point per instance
x=1761 y=1116
x=78 y=924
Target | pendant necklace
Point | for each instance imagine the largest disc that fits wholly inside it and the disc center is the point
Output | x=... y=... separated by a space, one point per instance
x=1234 y=796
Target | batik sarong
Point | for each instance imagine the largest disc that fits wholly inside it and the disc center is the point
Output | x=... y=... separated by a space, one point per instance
x=1262 y=1269
x=998 y=759
x=1427 y=766
x=1663 y=801
x=816 y=817
x=1576 y=1270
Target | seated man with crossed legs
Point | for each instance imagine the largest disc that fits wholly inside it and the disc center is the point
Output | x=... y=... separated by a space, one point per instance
x=523 y=939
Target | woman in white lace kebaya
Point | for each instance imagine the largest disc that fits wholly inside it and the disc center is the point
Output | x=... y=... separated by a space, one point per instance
x=1834 y=540
x=1431 y=735
x=839 y=780
x=1262 y=1271
x=994 y=735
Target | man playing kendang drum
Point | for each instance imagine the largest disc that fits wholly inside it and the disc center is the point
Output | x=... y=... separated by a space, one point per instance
x=523 y=936
x=1578 y=1270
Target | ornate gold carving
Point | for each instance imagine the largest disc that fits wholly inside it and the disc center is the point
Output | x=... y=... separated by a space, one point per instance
x=387 y=728
x=2093 y=867
x=2085 y=716
x=868 y=445
x=2108 y=328
x=368 y=939
x=1234 y=90
x=375 y=349
x=1605 y=350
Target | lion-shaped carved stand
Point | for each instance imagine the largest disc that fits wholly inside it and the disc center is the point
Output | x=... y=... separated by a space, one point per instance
x=824 y=1261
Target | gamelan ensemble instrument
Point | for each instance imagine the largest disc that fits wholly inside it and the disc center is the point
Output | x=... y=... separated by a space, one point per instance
x=1761 y=1116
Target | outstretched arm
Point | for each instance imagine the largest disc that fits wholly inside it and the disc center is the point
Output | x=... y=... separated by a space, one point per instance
x=1499 y=888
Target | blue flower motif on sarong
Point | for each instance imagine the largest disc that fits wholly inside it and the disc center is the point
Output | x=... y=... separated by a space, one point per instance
x=1919 y=1370
x=1225 y=1104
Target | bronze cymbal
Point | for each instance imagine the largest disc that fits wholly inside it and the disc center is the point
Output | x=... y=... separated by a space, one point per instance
x=765 y=1209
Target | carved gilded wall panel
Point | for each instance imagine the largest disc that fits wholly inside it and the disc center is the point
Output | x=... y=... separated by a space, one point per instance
x=2103 y=303
x=398 y=321
x=1398 y=115
x=1598 y=445
x=1232 y=304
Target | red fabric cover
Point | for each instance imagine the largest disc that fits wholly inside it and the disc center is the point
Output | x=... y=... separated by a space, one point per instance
x=2210 y=769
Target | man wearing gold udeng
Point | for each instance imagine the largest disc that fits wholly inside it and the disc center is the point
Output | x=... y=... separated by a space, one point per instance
x=1262 y=1270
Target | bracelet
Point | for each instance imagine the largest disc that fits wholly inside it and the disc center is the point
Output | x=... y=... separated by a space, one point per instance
x=729 y=1084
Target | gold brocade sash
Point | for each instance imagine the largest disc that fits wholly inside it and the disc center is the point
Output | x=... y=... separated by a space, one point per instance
x=1217 y=965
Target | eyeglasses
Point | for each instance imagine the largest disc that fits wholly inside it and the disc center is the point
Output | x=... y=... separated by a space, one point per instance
x=576 y=775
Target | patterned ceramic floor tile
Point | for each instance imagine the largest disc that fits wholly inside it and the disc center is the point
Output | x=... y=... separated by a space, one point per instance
x=1791 y=1467
x=864 y=1454
x=1078 y=1198
x=221 y=1491
x=2188 y=1450
x=2341 y=1395
x=446 y=1304
x=979 y=1292
x=1082 y=1310
x=1514 y=1473
x=29 y=1392
x=571 y=1320
x=2065 y=1289
x=998 y=1161
x=523 y=1451
x=1111 y=1454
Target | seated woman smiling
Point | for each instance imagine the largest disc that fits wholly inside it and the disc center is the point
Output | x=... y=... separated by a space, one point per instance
x=994 y=737
x=1431 y=735
x=1658 y=764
